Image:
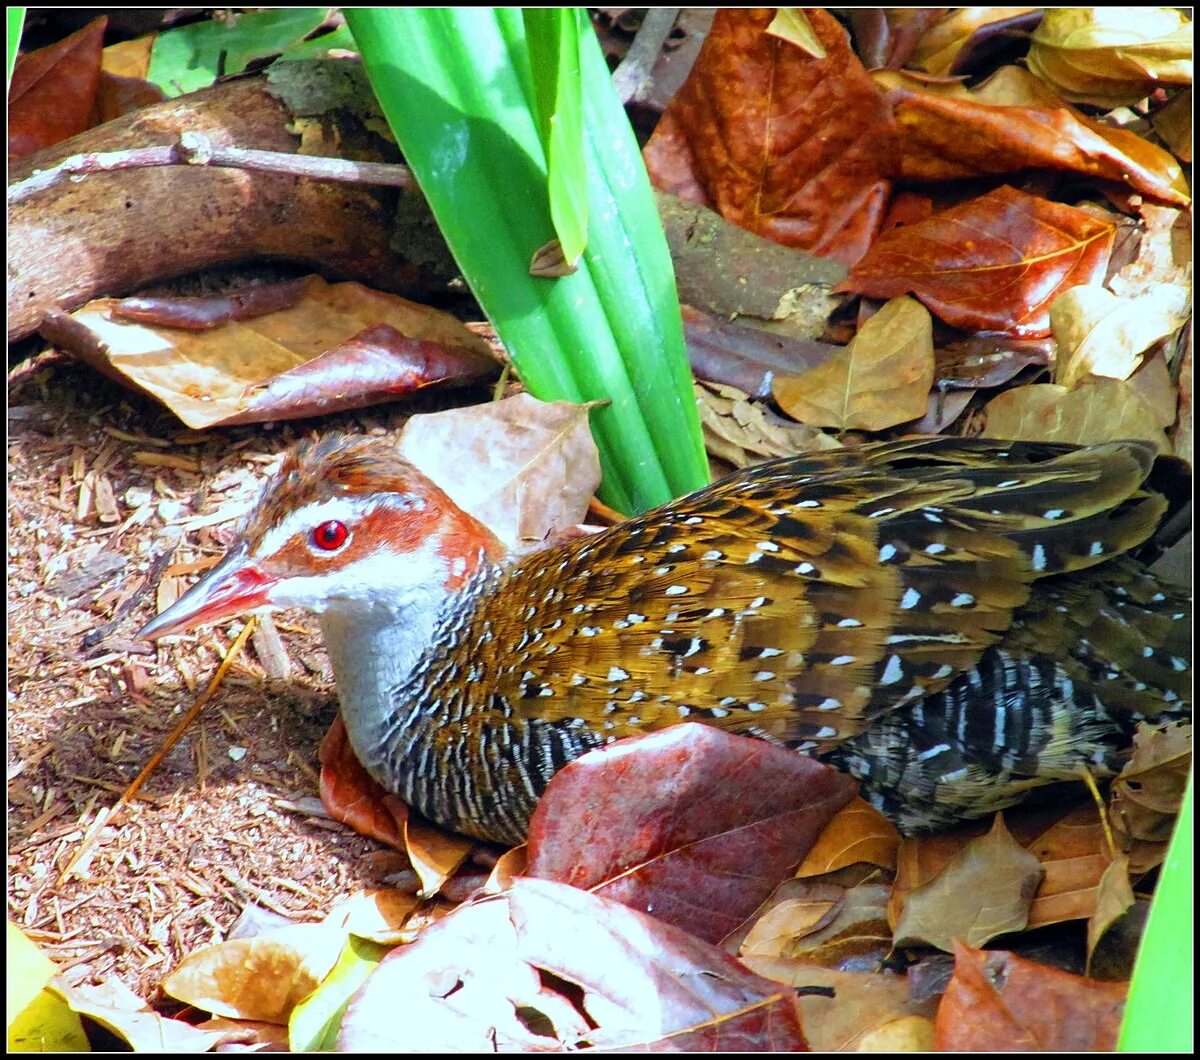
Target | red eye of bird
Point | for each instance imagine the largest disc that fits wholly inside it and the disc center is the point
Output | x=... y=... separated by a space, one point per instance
x=330 y=536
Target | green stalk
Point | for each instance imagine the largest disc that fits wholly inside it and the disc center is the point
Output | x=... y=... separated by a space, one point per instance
x=1158 y=1013
x=16 y=22
x=458 y=88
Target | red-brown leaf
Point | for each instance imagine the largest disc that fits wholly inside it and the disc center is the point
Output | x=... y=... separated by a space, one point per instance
x=998 y=1002
x=994 y=263
x=351 y=796
x=797 y=149
x=692 y=824
x=950 y=132
x=53 y=90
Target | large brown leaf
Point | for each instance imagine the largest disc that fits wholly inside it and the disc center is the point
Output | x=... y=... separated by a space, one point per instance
x=999 y=1002
x=795 y=148
x=994 y=263
x=53 y=90
x=1097 y=410
x=985 y=891
x=1013 y=122
x=338 y=346
x=546 y=967
x=691 y=824
x=881 y=379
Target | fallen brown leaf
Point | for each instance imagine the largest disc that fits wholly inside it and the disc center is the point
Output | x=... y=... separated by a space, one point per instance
x=986 y=890
x=534 y=465
x=997 y=1001
x=859 y=833
x=881 y=379
x=795 y=148
x=550 y=967
x=1097 y=410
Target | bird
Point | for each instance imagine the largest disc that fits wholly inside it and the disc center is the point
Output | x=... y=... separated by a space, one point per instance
x=956 y=622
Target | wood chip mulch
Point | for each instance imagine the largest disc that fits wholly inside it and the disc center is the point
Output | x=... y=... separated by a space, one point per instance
x=106 y=491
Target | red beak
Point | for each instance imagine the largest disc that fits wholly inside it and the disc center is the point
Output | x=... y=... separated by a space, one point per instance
x=234 y=585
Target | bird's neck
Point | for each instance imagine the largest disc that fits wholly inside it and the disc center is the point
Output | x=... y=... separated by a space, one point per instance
x=374 y=651
x=382 y=656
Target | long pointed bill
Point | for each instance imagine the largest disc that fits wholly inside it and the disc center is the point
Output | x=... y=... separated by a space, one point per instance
x=234 y=585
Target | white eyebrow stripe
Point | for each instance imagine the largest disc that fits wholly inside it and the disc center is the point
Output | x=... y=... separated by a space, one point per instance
x=344 y=509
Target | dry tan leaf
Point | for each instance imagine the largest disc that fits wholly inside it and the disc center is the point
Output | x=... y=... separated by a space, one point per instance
x=1098 y=410
x=791 y=24
x=1099 y=333
x=217 y=375
x=775 y=933
x=745 y=432
x=118 y=1009
x=859 y=833
x=435 y=855
x=1152 y=381
x=881 y=379
x=260 y=978
x=1113 y=900
x=1111 y=56
x=1147 y=792
x=1174 y=124
x=1164 y=254
x=940 y=44
x=985 y=891
x=855 y=1006
x=823 y=922
x=534 y=463
x=378 y=914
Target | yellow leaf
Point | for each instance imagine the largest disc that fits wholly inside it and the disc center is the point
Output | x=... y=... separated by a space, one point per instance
x=1099 y=333
x=791 y=24
x=1098 y=410
x=27 y=968
x=1112 y=56
x=882 y=378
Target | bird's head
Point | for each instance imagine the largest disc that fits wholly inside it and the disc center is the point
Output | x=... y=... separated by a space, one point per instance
x=345 y=523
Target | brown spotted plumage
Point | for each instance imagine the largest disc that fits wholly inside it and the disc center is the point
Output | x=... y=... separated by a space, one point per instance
x=954 y=621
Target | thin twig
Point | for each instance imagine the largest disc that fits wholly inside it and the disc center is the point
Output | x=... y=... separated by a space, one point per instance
x=195 y=149
x=107 y=816
x=634 y=72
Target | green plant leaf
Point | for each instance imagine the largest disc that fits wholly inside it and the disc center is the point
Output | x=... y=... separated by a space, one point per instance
x=553 y=35
x=457 y=88
x=315 y=1021
x=1158 y=1013
x=16 y=22
x=192 y=57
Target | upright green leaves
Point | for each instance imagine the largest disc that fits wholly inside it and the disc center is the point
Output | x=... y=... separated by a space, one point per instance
x=458 y=87
x=553 y=36
x=16 y=22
